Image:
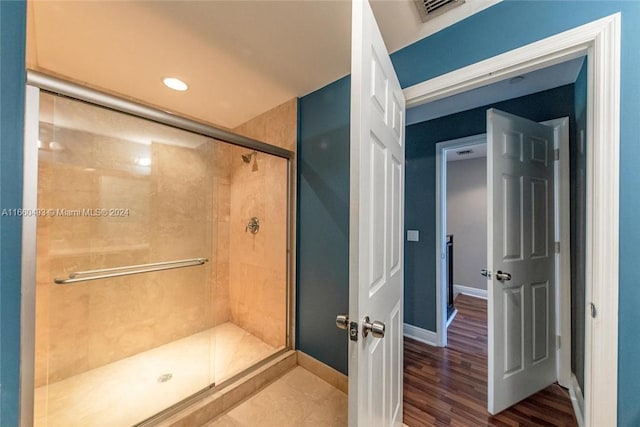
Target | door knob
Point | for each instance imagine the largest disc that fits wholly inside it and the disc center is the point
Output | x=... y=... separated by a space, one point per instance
x=376 y=328
x=503 y=276
x=342 y=321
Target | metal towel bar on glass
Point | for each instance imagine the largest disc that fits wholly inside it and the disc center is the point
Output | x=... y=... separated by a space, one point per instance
x=105 y=273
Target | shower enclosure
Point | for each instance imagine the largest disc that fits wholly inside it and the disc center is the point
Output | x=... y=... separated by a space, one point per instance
x=161 y=263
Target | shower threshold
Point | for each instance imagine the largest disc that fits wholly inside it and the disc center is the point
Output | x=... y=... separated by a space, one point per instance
x=133 y=389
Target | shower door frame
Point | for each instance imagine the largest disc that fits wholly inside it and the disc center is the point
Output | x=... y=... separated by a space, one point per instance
x=38 y=82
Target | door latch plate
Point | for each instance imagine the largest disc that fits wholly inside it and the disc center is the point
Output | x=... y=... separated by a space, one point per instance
x=353 y=331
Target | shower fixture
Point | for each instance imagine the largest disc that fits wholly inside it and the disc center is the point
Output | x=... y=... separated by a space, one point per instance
x=247 y=159
x=253 y=226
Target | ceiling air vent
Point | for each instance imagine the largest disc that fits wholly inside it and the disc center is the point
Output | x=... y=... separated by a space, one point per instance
x=432 y=8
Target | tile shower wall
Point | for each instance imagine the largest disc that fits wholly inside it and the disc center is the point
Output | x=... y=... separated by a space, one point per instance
x=221 y=212
x=89 y=324
x=258 y=269
x=278 y=126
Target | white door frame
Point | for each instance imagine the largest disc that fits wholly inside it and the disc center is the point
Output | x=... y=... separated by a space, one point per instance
x=600 y=42
x=441 y=216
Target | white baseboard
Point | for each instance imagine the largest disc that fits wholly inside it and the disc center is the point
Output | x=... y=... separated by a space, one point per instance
x=468 y=290
x=577 y=400
x=422 y=335
x=453 y=316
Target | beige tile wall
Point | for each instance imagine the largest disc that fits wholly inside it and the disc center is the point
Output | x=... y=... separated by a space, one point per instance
x=278 y=126
x=258 y=268
x=88 y=324
x=222 y=212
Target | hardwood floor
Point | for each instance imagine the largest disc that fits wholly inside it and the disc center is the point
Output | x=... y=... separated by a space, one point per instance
x=448 y=386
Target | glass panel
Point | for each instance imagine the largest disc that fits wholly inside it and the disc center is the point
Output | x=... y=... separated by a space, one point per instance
x=120 y=191
x=116 y=191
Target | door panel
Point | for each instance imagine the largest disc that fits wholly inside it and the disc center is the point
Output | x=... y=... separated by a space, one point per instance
x=520 y=217
x=396 y=233
x=539 y=218
x=540 y=300
x=377 y=212
x=512 y=225
x=376 y=226
x=514 y=339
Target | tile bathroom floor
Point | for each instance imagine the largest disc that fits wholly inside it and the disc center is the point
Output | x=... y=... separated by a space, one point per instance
x=129 y=390
x=297 y=399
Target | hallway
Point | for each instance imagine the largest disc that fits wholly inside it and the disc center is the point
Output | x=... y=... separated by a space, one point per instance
x=448 y=386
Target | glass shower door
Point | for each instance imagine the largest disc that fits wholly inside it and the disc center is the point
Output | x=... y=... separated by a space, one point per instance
x=125 y=247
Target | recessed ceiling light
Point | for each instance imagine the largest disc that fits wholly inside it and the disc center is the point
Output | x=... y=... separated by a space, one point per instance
x=175 y=84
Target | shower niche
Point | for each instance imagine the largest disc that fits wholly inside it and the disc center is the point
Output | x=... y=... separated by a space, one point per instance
x=150 y=287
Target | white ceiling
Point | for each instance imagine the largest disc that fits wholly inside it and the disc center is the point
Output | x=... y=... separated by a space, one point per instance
x=533 y=82
x=240 y=58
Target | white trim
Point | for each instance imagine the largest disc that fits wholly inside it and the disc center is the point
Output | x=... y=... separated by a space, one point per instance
x=453 y=316
x=468 y=290
x=600 y=40
x=441 y=228
x=544 y=53
x=603 y=175
x=422 y=335
x=577 y=400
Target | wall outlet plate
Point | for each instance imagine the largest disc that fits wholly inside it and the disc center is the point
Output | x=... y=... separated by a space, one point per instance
x=413 y=236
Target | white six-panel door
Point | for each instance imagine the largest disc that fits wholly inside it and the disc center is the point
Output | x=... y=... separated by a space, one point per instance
x=376 y=226
x=520 y=244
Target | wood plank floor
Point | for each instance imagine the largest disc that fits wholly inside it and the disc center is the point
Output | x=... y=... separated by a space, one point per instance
x=448 y=386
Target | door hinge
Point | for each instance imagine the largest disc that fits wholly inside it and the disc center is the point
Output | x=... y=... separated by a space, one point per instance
x=556 y=247
x=556 y=154
x=558 y=342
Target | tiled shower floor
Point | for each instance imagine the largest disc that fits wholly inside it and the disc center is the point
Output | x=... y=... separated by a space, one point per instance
x=128 y=391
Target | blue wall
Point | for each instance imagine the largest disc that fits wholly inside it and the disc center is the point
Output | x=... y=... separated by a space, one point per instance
x=420 y=187
x=12 y=79
x=323 y=222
